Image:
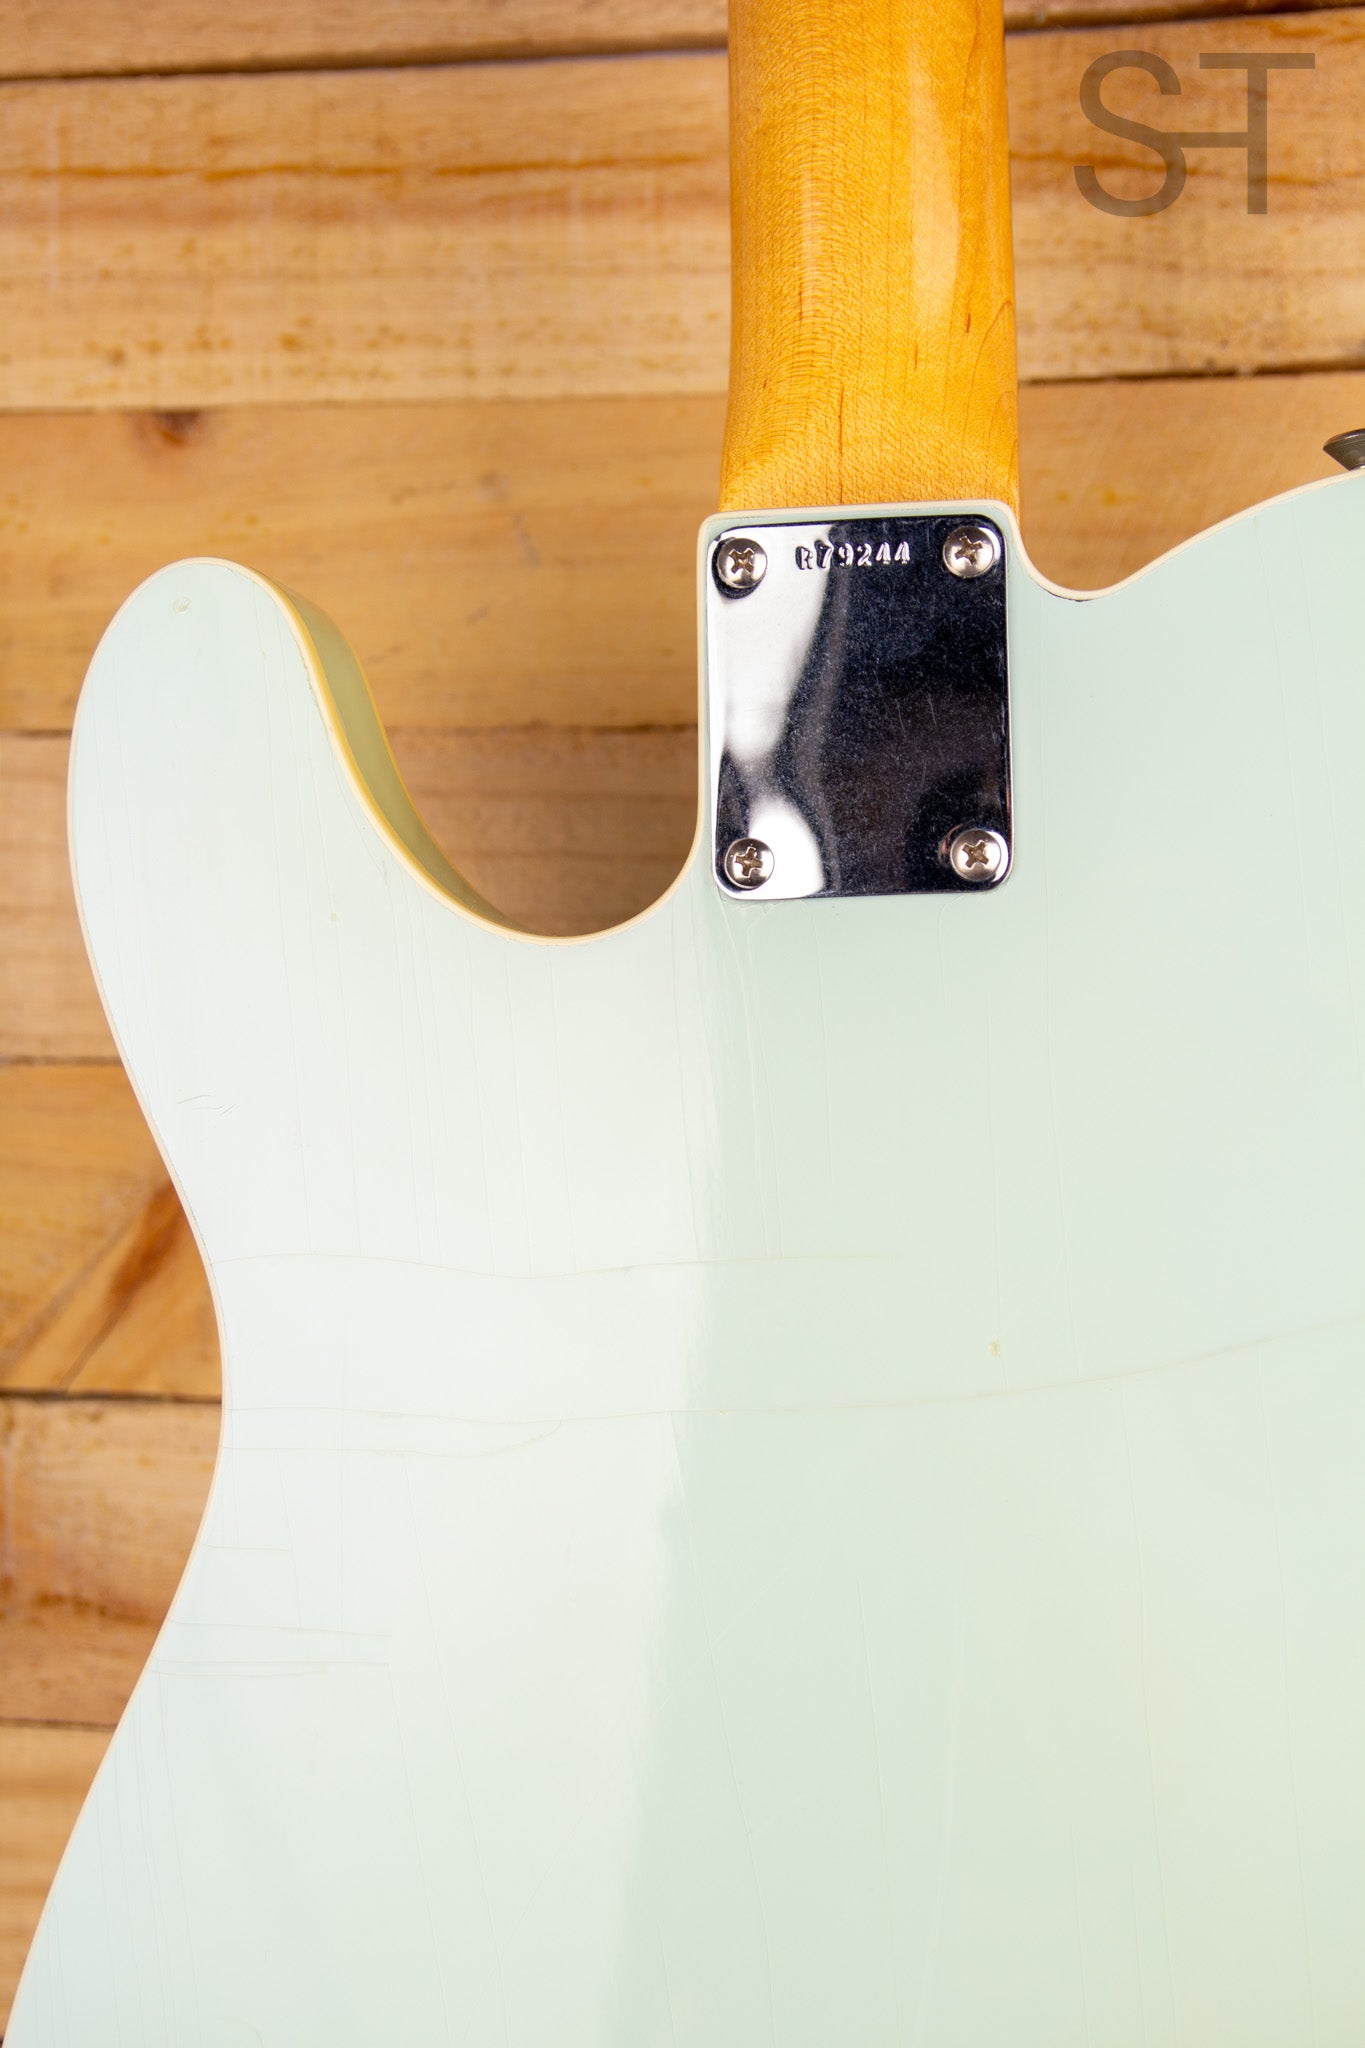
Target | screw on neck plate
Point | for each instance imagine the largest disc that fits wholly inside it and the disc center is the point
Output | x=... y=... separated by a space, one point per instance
x=971 y=550
x=740 y=565
x=976 y=854
x=748 y=862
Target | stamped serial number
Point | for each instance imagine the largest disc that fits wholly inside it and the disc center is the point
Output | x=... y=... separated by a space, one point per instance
x=848 y=554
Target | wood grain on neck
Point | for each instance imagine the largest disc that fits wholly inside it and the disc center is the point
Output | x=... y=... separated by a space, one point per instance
x=872 y=355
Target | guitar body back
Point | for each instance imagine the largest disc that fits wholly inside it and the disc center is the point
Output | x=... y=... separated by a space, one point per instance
x=791 y=1472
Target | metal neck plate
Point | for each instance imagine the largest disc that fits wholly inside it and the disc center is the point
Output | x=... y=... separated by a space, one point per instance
x=858 y=689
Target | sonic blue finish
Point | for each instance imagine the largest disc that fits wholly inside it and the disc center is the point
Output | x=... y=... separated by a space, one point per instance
x=792 y=1473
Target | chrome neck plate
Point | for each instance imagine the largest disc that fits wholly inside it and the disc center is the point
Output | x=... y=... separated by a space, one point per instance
x=858 y=694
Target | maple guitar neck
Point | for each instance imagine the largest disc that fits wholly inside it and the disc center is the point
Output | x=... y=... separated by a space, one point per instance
x=872 y=353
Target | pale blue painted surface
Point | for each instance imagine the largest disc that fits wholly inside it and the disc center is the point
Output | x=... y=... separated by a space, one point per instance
x=792 y=1474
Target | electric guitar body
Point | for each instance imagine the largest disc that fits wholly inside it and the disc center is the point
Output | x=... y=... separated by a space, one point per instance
x=793 y=1472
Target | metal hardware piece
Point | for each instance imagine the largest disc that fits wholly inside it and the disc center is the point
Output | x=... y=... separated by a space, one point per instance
x=741 y=565
x=978 y=855
x=1348 y=449
x=859 y=704
x=748 y=862
x=971 y=550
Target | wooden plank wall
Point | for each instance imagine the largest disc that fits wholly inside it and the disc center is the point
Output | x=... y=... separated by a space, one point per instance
x=420 y=305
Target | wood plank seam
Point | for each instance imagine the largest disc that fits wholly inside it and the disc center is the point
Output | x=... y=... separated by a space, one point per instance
x=39 y=45
x=59 y=1059
x=28 y=1721
x=140 y=1253
x=58 y=1399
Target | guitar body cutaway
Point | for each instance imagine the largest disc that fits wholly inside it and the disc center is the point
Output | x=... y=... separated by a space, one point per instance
x=791 y=1473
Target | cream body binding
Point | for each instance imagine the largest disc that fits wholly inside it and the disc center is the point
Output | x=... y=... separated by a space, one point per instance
x=790 y=1473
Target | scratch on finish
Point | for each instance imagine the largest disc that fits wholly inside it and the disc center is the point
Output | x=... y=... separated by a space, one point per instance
x=416 y=1836
x=1283 y=670
x=680 y=1071
x=761 y=1122
x=286 y=950
x=419 y=1552
x=822 y=1015
x=919 y=1405
x=668 y=1988
x=110 y=867
x=178 y=1859
x=929 y=1970
x=999 y=1316
x=881 y=1815
x=725 y=1730
x=1337 y=865
x=474 y=1122
x=1137 y=1953
x=444 y=1456
x=1146 y=1709
x=561 y=1097
x=519 y=1139
x=403 y=958
x=1288 y=1715
x=277 y=1473
x=1049 y=1011
x=341 y=1007
x=1080 y=1939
